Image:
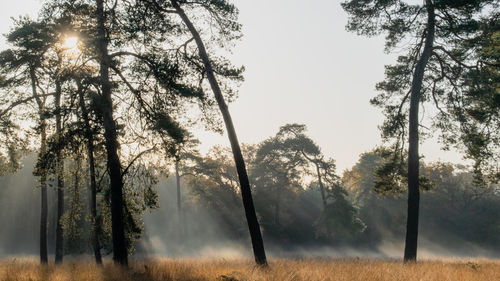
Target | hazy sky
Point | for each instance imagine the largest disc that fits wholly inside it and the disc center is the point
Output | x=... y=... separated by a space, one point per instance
x=302 y=67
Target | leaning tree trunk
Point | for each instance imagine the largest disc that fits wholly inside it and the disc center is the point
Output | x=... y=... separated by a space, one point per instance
x=43 y=173
x=60 y=178
x=114 y=166
x=321 y=186
x=410 y=253
x=96 y=226
x=246 y=193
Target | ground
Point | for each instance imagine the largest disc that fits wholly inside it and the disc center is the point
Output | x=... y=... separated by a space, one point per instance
x=238 y=270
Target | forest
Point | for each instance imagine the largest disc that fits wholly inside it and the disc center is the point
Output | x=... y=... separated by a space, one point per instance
x=103 y=175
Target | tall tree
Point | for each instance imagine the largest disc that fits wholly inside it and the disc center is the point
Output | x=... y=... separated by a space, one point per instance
x=246 y=193
x=22 y=66
x=145 y=81
x=224 y=17
x=439 y=39
x=60 y=176
x=182 y=154
x=118 y=232
x=89 y=136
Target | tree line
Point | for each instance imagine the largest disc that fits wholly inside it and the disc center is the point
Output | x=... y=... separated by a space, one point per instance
x=348 y=211
x=107 y=85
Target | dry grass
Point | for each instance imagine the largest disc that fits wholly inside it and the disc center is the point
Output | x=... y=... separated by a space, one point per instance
x=231 y=270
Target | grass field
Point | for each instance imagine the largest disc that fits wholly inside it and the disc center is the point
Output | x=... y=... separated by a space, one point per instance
x=232 y=270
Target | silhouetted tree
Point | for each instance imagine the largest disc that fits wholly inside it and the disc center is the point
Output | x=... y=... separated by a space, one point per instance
x=440 y=39
x=224 y=18
x=294 y=138
x=22 y=66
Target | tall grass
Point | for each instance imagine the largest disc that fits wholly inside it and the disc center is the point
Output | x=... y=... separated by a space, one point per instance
x=232 y=270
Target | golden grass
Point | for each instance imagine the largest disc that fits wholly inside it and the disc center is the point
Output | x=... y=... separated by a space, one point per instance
x=232 y=270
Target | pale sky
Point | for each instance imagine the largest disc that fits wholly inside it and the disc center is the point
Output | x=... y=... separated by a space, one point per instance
x=301 y=67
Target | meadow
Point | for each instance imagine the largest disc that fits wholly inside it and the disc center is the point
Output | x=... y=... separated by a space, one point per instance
x=244 y=269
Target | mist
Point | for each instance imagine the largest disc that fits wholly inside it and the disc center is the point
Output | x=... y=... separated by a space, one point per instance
x=205 y=234
x=206 y=237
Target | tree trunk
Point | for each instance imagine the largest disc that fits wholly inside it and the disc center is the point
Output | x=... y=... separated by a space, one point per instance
x=321 y=186
x=179 y=203
x=114 y=166
x=43 y=173
x=410 y=253
x=96 y=225
x=246 y=193
x=43 y=186
x=60 y=178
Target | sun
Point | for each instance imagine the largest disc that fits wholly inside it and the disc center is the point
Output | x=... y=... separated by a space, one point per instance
x=70 y=43
x=70 y=47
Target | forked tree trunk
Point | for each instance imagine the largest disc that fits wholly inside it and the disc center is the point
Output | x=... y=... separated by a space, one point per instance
x=60 y=178
x=114 y=166
x=246 y=193
x=410 y=253
x=96 y=225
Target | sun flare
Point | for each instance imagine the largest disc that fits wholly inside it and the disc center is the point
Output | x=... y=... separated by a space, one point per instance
x=70 y=43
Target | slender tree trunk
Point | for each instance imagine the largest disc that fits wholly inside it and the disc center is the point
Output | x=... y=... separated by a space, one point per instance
x=321 y=186
x=179 y=203
x=114 y=166
x=60 y=179
x=410 y=253
x=96 y=225
x=43 y=186
x=246 y=193
x=43 y=173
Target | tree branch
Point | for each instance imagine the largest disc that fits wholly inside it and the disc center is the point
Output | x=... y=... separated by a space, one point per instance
x=135 y=159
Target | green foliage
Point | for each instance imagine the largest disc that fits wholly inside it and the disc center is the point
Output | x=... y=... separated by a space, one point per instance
x=73 y=220
x=454 y=208
x=391 y=176
x=339 y=220
x=460 y=84
x=214 y=186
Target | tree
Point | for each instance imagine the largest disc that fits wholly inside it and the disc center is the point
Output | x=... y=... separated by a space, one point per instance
x=22 y=66
x=284 y=160
x=277 y=172
x=148 y=84
x=214 y=180
x=89 y=136
x=439 y=38
x=183 y=153
x=378 y=208
x=224 y=16
x=110 y=134
x=294 y=138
